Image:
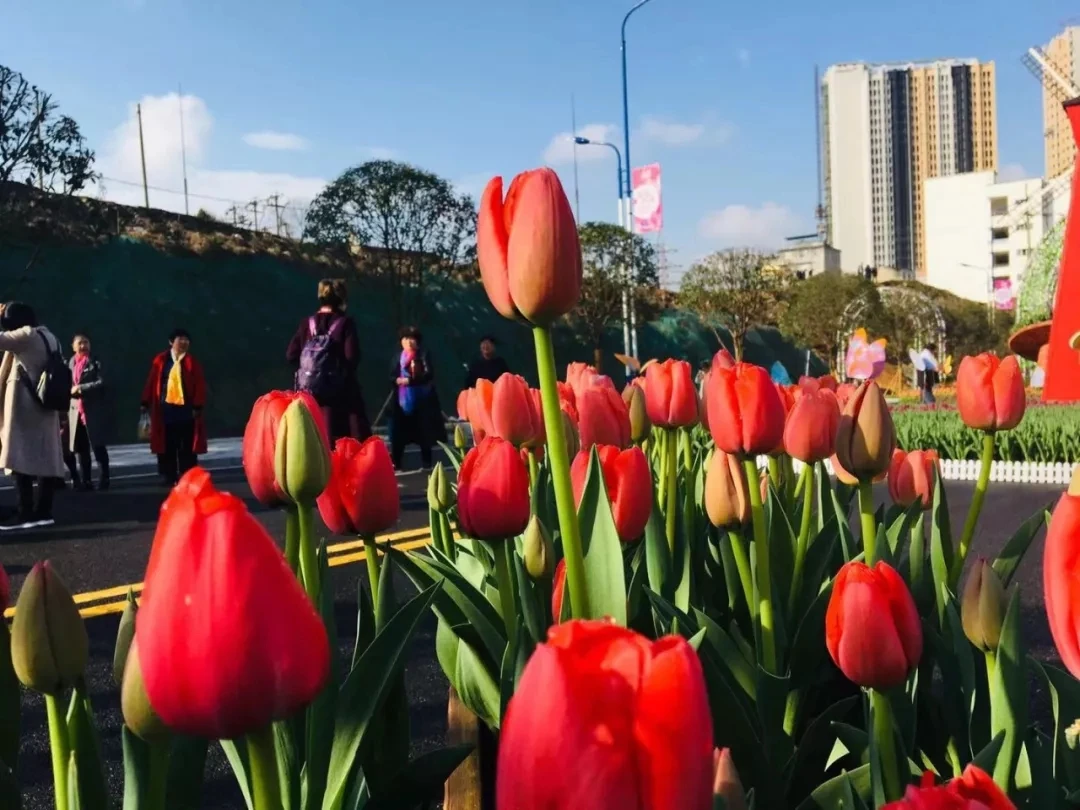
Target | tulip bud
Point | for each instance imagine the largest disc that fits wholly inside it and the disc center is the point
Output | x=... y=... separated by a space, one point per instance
x=124 y=636
x=727 y=495
x=982 y=607
x=726 y=782
x=539 y=552
x=49 y=646
x=460 y=440
x=866 y=438
x=570 y=435
x=139 y=715
x=634 y=397
x=439 y=496
x=301 y=458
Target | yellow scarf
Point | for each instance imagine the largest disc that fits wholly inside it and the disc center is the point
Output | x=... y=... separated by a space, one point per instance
x=174 y=387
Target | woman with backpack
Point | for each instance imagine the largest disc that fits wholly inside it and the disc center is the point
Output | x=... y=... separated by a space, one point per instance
x=32 y=371
x=174 y=397
x=416 y=417
x=88 y=417
x=325 y=351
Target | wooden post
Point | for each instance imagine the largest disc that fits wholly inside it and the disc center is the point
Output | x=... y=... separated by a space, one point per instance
x=464 y=788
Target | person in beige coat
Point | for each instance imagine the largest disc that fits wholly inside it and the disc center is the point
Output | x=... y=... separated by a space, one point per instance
x=30 y=448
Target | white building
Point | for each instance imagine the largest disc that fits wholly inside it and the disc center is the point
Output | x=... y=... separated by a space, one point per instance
x=980 y=234
x=811 y=257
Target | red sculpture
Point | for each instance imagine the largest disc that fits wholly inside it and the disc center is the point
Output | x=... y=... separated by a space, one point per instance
x=1063 y=363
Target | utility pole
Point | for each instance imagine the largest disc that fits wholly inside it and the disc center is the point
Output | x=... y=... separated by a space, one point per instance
x=274 y=202
x=142 y=156
x=573 y=138
x=231 y=211
x=254 y=206
x=183 y=146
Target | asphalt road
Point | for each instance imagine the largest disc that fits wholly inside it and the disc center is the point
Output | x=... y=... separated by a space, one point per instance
x=102 y=541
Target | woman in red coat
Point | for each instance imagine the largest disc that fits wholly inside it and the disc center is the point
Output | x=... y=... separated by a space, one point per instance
x=174 y=396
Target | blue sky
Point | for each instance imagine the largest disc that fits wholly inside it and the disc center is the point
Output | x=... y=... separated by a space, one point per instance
x=280 y=98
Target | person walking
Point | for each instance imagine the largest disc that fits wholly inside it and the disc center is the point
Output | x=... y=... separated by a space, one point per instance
x=88 y=417
x=174 y=396
x=930 y=373
x=488 y=366
x=416 y=417
x=325 y=351
x=30 y=448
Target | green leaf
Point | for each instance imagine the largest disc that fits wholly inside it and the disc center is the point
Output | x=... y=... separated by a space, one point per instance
x=421 y=782
x=986 y=759
x=808 y=651
x=782 y=540
x=803 y=772
x=900 y=527
x=605 y=577
x=841 y=792
x=187 y=764
x=1013 y=553
x=685 y=533
x=848 y=546
x=742 y=670
x=238 y=760
x=136 y=768
x=732 y=584
x=387 y=601
x=74 y=788
x=939 y=568
x=318 y=726
x=1008 y=695
x=288 y=763
x=1065 y=702
x=85 y=744
x=940 y=526
x=635 y=591
x=477 y=687
x=365 y=622
x=10 y=703
x=531 y=602
x=658 y=554
x=366 y=688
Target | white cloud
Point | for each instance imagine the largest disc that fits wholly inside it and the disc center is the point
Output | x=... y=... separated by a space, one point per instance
x=118 y=162
x=764 y=227
x=673 y=133
x=278 y=141
x=743 y=55
x=561 y=148
x=1012 y=171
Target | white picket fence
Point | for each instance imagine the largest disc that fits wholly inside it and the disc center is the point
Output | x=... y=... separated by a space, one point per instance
x=1013 y=472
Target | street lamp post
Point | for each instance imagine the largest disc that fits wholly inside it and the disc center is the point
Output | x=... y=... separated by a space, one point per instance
x=580 y=141
x=991 y=300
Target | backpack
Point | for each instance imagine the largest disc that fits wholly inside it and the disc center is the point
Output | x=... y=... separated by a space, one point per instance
x=322 y=369
x=52 y=390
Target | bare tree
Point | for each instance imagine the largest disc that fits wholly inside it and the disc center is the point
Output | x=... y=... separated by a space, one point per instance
x=738 y=289
x=37 y=145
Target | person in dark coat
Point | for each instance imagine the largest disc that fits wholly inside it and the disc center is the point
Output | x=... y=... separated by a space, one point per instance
x=416 y=417
x=339 y=393
x=88 y=417
x=488 y=366
x=174 y=396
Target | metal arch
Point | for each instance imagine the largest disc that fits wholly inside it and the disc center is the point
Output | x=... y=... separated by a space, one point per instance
x=921 y=311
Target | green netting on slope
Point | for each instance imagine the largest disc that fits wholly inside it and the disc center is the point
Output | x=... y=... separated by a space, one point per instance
x=1035 y=300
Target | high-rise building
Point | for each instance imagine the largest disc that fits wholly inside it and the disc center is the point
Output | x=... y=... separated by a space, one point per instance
x=1063 y=54
x=886 y=129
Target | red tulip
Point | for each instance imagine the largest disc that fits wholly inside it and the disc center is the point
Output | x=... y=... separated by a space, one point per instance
x=912 y=476
x=580 y=376
x=493 y=491
x=808 y=382
x=670 y=397
x=260 y=442
x=480 y=404
x=872 y=628
x=527 y=248
x=567 y=400
x=1061 y=576
x=602 y=415
x=629 y=486
x=463 y=405
x=810 y=431
x=727 y=494
x=605 y=719
x=746 y=416
x=558 y=588
x=990 y=392
x=866 y=437
x=828 y=382
x=972 y=790
x=723 y=359
x=5 y=590
x=362 y=496
x=844 y=393
x=514 y=413
x=228 y=640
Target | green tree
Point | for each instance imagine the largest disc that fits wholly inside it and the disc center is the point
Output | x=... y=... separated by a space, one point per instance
x=408 y=223
x=738 y=289
x=814 y=315
x=614 y=261
x=38 y=146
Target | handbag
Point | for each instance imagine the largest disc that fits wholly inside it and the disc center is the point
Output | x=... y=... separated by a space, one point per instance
x=143 y=430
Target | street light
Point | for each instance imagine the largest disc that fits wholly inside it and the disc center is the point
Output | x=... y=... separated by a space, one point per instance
x=580 y=141
x=990 y=297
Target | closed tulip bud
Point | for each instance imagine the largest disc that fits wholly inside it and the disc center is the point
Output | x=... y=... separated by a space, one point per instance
x=723 y=359
x=567 y=400
x=460 y=440
x=1061 y=576
x=810 y=431
x=480 y=403
x=634 y=397
x=49 y=646
x=727 y=494
x=912 y=477
x=726 y=782
x=570 y=435
x=261 y=437
x=990 y=392
x=124 y=636
x=463 y=405
x=438 y=489
x=493 y=491
x=746 y=415
x=558 y=590
x=670 y=396
x=301 y=458
x=602 y=415
x=514 y=412
x=866 y=438
x=628 y=482
x=139 y=715
x=872 y=628
x=982 y=607
x=539 y=552
x=527 y=248
x=362 y=496
x=578 y=377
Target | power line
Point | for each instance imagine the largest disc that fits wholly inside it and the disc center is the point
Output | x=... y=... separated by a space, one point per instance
x=283 y=206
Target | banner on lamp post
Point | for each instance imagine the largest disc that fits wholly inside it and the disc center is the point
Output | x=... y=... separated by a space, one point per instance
x=648 y=207
x=1004 y=298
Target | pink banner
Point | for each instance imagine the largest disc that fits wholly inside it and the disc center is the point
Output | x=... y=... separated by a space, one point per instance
x=1004 y=298
x=647 y=205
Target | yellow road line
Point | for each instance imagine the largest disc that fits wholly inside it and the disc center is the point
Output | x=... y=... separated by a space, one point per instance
x=405 y=541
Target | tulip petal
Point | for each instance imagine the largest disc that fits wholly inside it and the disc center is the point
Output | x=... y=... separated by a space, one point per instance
x=1061 y=580
x=492 y=242
x=1010 y=398
x=975 y=391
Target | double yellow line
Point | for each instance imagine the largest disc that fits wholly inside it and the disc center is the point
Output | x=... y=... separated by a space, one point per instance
x=112 y=600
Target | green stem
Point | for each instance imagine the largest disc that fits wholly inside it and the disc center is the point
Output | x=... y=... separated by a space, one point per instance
x=534 y=469
x=292 y=538
x=806 y=482
x=503 y=551
x=661 y=460
x=991 y=663
x=986 y=462
x=265 y=786
x=774 y=472
x=371 y=557
x=61 y=749
x=791 y=712
x=672 y=470
x=560 y=475
x=159 y=774
x=448 y=537
x=886 y=744
x=742 y=565
x=789 y=478
x=761 y=569
x=917 y=552
x=688 y=454
x=869 y=522
x=309 y=559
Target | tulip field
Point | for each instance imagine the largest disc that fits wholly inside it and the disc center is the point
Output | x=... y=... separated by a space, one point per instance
x=630 y=615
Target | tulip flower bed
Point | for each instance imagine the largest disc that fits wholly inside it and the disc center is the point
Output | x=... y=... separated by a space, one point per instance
x=639 y=617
